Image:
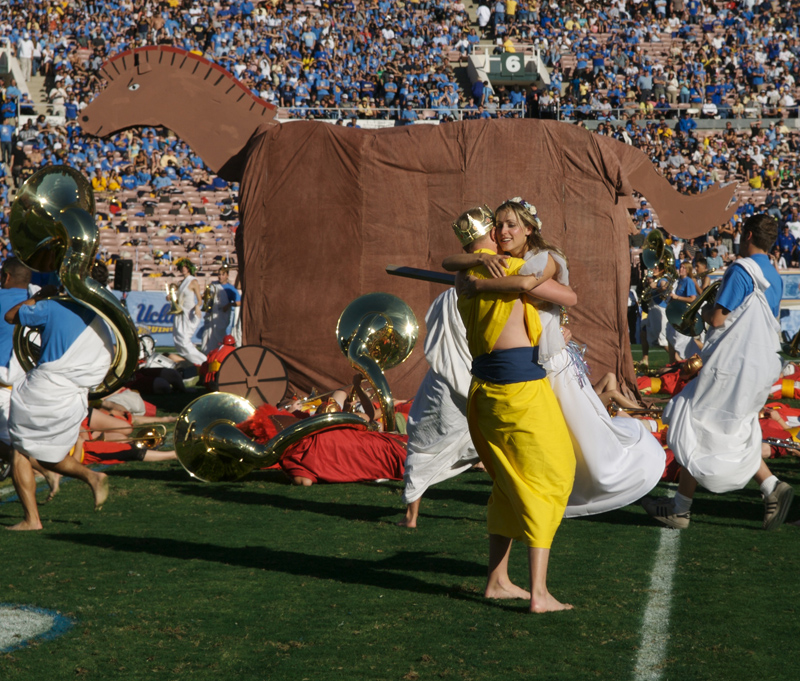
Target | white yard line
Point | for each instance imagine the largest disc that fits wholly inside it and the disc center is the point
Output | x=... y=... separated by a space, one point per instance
x=655 y=625
x=6 y=491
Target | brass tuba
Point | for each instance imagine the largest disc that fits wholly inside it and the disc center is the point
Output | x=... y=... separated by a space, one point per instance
x=376 y=331
x=685 y=317
x=211 y=448
x=172 y=298
x=791 y=347
x=208 y=297
x=52 y=228
x=654 y=254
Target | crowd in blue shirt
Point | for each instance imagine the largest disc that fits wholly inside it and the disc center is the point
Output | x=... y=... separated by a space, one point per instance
x=375 y=58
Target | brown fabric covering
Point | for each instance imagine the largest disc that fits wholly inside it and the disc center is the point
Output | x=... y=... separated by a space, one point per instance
x=324 y=209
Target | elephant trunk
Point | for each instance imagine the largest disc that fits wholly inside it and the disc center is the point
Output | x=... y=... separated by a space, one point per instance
x=679 y=214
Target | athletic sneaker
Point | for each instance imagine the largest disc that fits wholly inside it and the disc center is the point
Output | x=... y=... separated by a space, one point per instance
x=662 y=509
x=5 y=470
x=777 y=505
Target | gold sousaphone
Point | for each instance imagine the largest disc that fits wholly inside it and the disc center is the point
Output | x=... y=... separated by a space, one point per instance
x=52 y=228
x=656 y=253
x=375 y=332
x=686 y=317
x=172 y=298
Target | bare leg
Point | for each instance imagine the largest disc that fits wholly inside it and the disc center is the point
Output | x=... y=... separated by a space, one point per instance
x=111 y=428
x=144 y=420
x=53 y=479
x=541 y=599
x=645 y=349
x=687 y=485
x=763 y=473
x=301 y=481
x=499 y=584
x=619 y=398
x=97 y=481
x=158 y=455
x=412 y=513
x=25 y=485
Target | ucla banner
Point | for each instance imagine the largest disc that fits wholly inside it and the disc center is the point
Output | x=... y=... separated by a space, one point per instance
x=150 y=313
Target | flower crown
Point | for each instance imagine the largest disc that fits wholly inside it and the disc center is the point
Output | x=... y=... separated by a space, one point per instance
x=188 y=263
x=530 y=209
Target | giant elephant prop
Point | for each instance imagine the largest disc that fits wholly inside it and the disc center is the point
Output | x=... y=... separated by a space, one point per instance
x=324 y=208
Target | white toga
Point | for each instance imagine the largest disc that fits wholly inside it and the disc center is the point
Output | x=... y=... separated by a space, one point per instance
x=439 y=444
x=50 y=402
x=186 y=322
x=618 y=460
x=713 y=421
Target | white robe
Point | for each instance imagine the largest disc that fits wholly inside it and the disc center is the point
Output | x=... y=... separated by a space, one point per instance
x=617 y=459
x=217 y=320
x=713 y=421
x=186 y=323
x=439 y=444
x=9 y=376
x=49 y=403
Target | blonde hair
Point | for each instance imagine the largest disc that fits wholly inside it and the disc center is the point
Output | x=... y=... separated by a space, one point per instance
x=526 y=215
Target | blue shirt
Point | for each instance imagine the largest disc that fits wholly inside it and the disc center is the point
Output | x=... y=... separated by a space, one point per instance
x=59 y=324
x=232 y=292
x=685 y=288
x=9 y=297
x=738 y=284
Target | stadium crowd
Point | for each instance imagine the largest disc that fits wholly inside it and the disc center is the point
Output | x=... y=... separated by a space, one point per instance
x=653 y=73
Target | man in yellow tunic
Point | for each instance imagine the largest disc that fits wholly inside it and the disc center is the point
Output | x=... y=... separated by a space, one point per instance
x=515 y=422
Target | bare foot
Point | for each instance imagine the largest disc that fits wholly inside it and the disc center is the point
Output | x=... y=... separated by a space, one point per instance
x=408 y=522
x=99 y=487
x=53 y=482
x=479 y=467
x=25 y=525
x=548 y=604
x=506 y=591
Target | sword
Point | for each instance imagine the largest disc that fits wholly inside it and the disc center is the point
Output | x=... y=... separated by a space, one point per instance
x=423 y=275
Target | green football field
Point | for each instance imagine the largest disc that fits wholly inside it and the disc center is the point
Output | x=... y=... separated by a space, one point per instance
x=176 y=579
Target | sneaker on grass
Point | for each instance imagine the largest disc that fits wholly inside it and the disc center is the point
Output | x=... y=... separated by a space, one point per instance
x=777 y=505
x=662 y=509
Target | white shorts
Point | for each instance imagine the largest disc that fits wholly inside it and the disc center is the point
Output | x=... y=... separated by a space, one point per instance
x=656 y=326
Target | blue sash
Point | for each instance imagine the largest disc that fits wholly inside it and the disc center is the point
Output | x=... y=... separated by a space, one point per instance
x=515 y=365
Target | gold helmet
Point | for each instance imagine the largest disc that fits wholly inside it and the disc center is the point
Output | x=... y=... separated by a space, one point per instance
x=473 y=224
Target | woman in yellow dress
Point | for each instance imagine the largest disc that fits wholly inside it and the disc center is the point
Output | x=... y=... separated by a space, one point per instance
x=515 y=422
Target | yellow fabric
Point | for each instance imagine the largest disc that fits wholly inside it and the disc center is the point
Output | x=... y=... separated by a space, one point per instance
x=787 y=388
x=655 y=385
x=793 y=432
x=485 y=316
x=518 y=430
x=520 y=435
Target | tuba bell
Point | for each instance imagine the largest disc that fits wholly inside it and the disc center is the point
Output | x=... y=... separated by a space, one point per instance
x=212 y=449
x=208 y=297
x=172 y=298
x=376 y=332
x=656 y=254
x=52 y=228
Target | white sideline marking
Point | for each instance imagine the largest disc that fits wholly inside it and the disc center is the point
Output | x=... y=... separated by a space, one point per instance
x=18 y=626
x=655 y=624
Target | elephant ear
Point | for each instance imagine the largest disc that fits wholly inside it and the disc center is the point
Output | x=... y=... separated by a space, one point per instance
x=679 y=214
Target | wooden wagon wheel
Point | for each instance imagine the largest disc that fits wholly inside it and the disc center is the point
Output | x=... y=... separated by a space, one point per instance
x=255 y=373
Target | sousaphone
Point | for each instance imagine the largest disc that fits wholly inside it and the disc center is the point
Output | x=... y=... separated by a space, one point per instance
x=52 y=228
x=375 y=332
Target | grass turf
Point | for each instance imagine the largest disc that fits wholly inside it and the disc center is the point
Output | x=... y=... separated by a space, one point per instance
x=176 y=579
